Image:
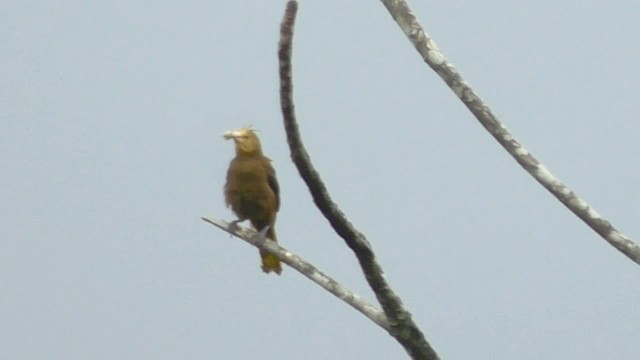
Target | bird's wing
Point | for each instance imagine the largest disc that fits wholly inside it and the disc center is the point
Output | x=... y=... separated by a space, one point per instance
x=273 y=184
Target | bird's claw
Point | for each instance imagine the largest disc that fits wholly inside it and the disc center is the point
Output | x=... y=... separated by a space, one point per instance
x=262 y=234
x=234 y=227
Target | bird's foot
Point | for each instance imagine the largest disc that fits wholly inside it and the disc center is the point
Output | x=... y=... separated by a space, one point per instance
x=234 y=227
x=262 y=234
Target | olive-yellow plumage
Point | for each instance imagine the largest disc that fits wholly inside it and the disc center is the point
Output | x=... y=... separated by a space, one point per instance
x=252 y=190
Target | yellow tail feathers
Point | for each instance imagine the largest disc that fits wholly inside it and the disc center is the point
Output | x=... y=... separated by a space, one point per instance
x=270 y=263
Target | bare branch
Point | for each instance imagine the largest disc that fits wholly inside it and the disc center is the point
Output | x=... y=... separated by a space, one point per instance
x=402 y=326
x=430 y=53
x=306 y=269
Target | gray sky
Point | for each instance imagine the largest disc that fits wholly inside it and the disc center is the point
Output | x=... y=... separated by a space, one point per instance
x=111 y=115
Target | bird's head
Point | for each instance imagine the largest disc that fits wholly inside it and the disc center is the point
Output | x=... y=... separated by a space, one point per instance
x=246 y=140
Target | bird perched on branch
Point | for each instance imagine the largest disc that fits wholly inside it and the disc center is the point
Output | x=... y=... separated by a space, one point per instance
x=252 y=190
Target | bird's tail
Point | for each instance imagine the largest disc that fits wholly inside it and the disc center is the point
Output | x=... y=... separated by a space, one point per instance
x=269 y=261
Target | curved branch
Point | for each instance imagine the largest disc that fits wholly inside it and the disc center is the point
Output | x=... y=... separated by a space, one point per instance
x=306 y=269
x=402 y=326
x=430 y=53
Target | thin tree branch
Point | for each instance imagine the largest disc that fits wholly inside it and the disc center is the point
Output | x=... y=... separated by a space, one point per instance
x=306 y=269
x=430 y=53
x=402 y=326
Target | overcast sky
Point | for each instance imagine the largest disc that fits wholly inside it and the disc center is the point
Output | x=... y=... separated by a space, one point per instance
x=111 y=122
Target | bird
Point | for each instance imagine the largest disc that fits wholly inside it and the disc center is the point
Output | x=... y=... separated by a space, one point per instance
x=252 y=190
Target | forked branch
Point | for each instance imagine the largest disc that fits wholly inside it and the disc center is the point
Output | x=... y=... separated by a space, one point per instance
x=402 y=326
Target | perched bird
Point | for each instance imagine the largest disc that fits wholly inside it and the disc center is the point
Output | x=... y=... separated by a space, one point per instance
x=252 y=190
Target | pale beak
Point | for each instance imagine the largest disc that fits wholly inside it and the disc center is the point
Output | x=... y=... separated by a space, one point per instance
x=229 y=135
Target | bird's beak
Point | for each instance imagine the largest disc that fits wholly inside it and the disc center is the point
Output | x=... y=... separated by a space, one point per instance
x=230 y=135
